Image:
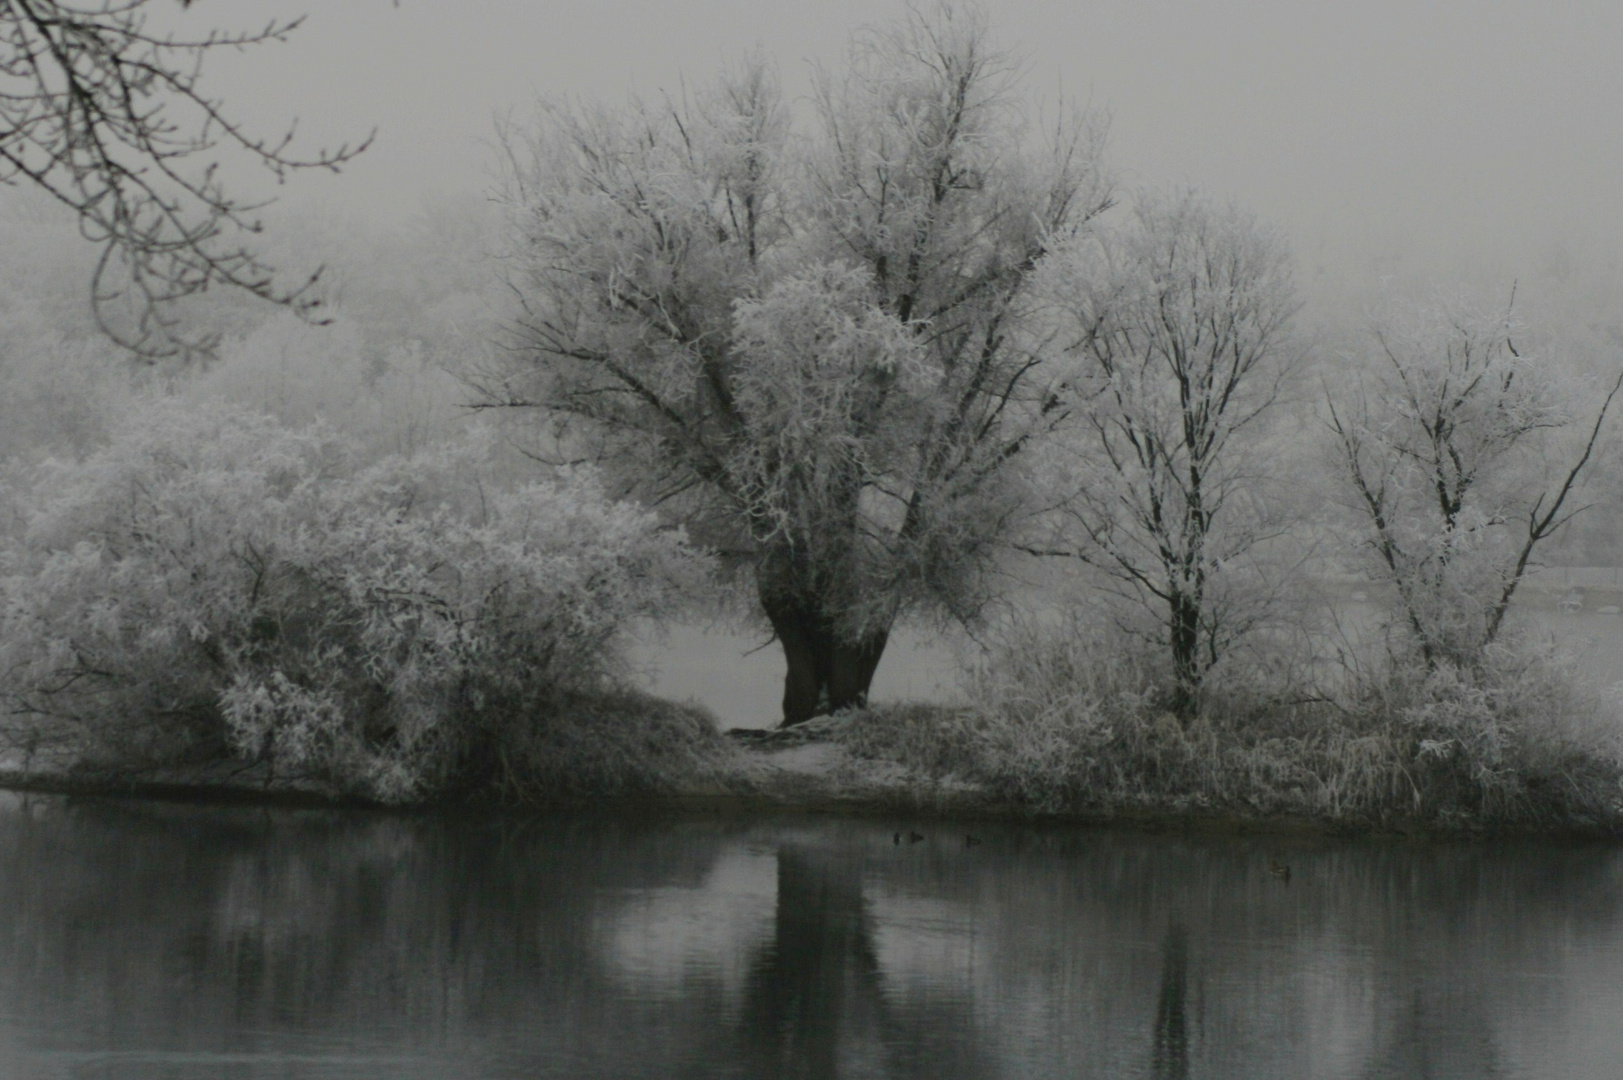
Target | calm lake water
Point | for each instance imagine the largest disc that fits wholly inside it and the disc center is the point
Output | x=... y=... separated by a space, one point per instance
x=141 y=941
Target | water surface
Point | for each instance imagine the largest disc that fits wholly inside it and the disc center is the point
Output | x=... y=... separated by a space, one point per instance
x=141 y=941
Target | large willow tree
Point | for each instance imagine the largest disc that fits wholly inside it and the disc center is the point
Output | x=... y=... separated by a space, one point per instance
x=812 y=346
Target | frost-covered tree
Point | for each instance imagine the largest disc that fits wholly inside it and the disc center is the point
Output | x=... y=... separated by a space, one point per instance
x=1460 y=455
x=213 y=583
x=812 y=345
x=1178 y=325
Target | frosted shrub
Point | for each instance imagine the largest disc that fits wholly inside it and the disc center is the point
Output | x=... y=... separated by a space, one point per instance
x=1065 y=715
x=1518 y=738
x=1050 y=709
x=216 y=584
x=1050 y=697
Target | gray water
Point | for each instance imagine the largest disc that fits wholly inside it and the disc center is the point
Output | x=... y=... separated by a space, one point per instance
x=141 y=941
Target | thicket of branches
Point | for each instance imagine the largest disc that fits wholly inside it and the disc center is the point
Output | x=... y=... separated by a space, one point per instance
x=1178 y=323
x=1461 y=456
x=815 y=347
x=112 y=118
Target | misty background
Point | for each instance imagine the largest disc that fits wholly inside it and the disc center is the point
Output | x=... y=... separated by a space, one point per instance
x=1450 y=140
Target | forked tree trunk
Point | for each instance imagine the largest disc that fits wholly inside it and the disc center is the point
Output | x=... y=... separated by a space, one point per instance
x=826 y=673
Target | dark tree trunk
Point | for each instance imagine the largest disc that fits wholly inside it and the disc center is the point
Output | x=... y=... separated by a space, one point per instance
x=826 y=673
x=1186 y=670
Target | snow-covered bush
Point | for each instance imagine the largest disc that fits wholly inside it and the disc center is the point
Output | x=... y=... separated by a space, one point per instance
x=216 y=584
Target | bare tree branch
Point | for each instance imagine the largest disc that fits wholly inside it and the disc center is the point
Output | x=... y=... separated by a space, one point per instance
x=111 y=119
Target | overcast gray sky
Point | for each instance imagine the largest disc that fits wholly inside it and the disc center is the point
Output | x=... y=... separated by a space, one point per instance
x=1444 y=137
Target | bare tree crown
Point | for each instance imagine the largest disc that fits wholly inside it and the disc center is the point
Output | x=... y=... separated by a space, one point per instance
x=1461 y=457
x=1178 y=327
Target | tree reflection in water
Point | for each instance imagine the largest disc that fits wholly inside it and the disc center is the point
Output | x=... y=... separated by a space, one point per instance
x=168 y=943
x=818 y=1005
x=1412 y=1045
x=817 y=983
x=1170 y=1054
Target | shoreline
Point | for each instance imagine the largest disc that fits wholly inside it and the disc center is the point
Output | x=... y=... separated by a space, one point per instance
x=803 y=775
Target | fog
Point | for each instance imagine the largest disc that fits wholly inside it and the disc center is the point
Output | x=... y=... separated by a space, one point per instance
x=1442 y=141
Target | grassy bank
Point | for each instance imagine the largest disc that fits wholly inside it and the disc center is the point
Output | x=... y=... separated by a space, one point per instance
x=1059 y=725
x=605 y=746
x=1309 y=767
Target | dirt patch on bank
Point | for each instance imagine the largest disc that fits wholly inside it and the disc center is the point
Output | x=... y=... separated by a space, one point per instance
x=809 y=766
